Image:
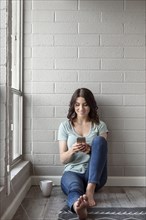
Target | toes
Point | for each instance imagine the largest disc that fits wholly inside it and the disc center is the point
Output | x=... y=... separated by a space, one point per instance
x=85 y=197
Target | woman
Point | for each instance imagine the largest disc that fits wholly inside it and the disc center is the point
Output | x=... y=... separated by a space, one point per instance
x=86 y=161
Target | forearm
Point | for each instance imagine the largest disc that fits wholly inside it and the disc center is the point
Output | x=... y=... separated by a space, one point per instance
x=66 y=157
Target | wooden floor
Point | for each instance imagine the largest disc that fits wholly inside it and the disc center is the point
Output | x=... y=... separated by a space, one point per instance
x=37 y=207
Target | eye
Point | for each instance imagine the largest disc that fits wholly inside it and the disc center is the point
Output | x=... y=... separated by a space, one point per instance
x=85 y=104
x=77 y=104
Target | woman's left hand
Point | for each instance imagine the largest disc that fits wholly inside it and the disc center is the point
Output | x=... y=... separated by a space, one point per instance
x=86 y=149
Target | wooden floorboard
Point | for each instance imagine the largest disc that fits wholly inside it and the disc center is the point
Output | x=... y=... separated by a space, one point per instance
x=36 y=207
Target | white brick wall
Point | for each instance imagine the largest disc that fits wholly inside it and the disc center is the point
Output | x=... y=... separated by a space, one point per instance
x=95 y=44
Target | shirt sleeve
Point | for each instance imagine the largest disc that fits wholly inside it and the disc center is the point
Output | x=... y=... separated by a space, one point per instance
x=102 y=128
x=62 y=132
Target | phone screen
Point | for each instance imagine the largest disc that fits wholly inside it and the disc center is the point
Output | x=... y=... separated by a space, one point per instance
x=81 y=140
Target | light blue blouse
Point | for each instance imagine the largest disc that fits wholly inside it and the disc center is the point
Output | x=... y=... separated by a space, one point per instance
x=67 y=133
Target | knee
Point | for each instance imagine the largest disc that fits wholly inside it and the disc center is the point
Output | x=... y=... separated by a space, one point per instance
x=99 y=142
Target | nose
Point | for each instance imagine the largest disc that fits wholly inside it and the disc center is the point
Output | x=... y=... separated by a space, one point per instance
x=81 y=107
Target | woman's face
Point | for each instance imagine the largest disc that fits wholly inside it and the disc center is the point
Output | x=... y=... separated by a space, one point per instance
x=81 y=107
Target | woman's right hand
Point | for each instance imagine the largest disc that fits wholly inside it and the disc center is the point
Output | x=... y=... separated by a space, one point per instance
x=78 y=147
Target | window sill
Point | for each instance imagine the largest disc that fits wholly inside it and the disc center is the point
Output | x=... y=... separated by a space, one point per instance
x=1 y=188
x=17 y=169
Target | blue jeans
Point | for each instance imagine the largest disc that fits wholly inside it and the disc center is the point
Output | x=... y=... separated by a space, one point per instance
x=74 y=184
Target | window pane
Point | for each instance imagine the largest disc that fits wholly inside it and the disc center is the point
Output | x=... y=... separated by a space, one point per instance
x=17 y=126
x=16 y=44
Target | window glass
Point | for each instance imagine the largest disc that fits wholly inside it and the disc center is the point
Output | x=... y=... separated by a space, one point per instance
x=17 y=126
x=16 y=78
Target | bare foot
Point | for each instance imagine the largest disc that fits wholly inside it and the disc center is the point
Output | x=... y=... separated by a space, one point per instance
x=90 y=194
x=80 y=207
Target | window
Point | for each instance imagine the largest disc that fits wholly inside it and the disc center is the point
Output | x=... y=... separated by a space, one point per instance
x=16 y=78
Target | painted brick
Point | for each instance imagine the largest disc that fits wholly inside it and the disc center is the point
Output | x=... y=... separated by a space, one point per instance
x=123 y=64
x=46 y=147
x=77 y=40
x=42 y=88
x=28 y=39
x=134 y=148
x=51 y=123
x=116 y=147
x=129 y=135
x=123 y=111
x=123 y=88
x=103 y=28
x=42 y=63
x=100 y=76
x=43 y=15
x=55 y=75
x=134 y=28
x=135 y=160
x=48 y=170
x=28 y=5
x=51 y=100
x=27 y=28
x=27 y=123
x=134 y=52
x=28 y=88
x=77 y=16
x=43 y=135
x=138 y=100
x=127 y=160
x=43 y=111
x=115 y=123
x=28 y=16
x=27 y=135
x=134 y=15
x=107 y=52
x=122 y=40
x=109 y=100
x=135 y=6
x=28 y=63
x=55 y=52
x=57 y=160
x=55 y=5
x=135 y=171
x=108 y=16
x=77 y=64
x=43 y=159
x=54 y=28
x=134 y=124
x=70 y=88
x=123 y=16
x=27 y=52
x=61 y=111
x=134 y=76
x=102 y=5
x=115 y=170
x=27 y=76
x=42 y=40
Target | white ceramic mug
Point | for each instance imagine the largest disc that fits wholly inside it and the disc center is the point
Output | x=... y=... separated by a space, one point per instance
x=46 y=187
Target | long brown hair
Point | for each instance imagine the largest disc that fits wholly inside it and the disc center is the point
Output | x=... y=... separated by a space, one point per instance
x=90 y=100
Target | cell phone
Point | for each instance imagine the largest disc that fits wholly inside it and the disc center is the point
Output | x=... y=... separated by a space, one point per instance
x=81 y=140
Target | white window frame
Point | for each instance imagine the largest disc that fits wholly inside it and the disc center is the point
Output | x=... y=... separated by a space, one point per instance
x=17 y=80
